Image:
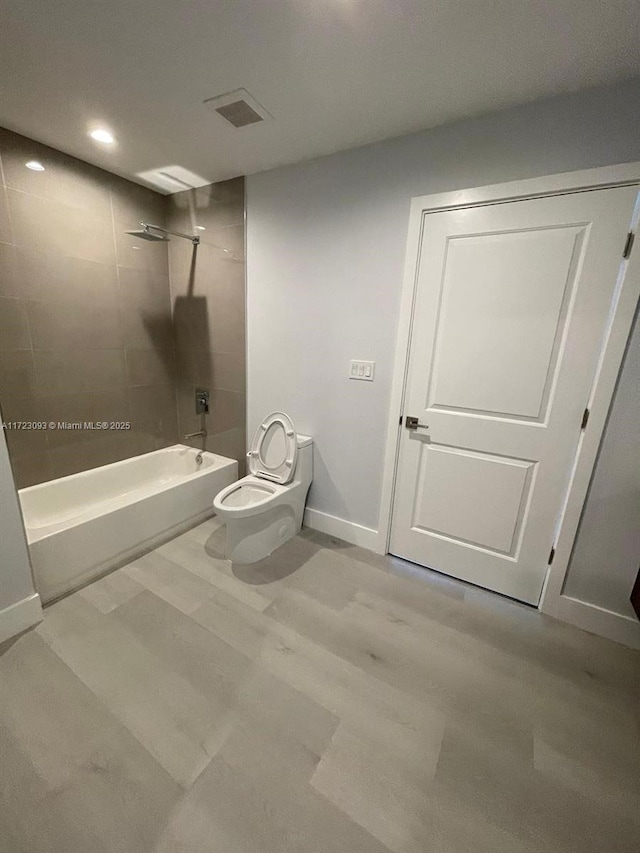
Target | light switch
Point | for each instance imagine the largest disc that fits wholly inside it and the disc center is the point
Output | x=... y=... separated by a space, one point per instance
x=362 y=370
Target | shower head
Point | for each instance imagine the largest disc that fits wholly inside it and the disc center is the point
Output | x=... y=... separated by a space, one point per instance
x=157 y=234
x=149 y=235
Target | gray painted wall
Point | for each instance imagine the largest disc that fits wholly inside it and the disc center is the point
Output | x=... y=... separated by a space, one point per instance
x=325 y=254
x=326 y=242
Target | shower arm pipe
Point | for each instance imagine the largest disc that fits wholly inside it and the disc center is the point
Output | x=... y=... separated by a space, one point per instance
x=148 y=225
x=195 y=240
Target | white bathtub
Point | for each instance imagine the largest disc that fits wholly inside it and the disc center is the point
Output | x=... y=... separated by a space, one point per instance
x=81 y=526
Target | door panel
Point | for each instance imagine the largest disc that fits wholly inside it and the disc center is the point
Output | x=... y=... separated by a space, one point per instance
x=503 y=295
x=454 y=504
x=510 y=311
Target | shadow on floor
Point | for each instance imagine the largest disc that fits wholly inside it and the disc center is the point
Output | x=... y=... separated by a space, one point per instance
x=284 y=562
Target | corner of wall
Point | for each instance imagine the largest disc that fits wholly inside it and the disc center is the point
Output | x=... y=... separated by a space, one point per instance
x=20 y=617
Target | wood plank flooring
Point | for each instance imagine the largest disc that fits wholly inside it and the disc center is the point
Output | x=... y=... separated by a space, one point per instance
x=325 y=699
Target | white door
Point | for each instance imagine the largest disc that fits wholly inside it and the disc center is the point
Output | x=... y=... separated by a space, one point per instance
x=510 y=311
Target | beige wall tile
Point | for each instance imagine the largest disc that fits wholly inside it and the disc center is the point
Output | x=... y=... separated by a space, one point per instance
x=64 y=179
x=193 y=367
x=151 y=402
x=94 y=452
x=191 y=324
x=215 y=205
x=139 y=254
x=87 y=323
x=232 y=443
x=152 y=430
x=229 y=237
x=23 y=410
x=229 y=371
x=185 y=268
x=17 y=374
x=150 y=366
x=104 y=370
x=69 y=460
x=5 y=228
x=185 y=402
x=72 y=326
x=60 y=279
x=133 y=203
x=111 y=405
x=194 y=273
x=70 y=371
x=226 y=313
x=153 y=434
x=67 y=409
x=63 y=229
x=146 y=309
x=8 y=285
x=208 y=293
x=112 y=446
x=31 y=469
x=226 y=411
x=61 y=262
x=14 y=330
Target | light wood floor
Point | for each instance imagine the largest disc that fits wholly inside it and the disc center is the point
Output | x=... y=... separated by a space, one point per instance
x=325 y=700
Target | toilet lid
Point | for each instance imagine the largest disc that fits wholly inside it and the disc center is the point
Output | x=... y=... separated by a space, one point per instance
x=274 y=449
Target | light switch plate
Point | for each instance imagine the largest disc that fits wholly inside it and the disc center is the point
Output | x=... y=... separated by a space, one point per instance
x=362 y=370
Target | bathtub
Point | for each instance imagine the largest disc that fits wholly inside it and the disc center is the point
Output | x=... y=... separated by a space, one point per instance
x=81 y=526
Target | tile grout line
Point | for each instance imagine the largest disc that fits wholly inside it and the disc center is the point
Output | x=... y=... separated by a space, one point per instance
x=174 y=348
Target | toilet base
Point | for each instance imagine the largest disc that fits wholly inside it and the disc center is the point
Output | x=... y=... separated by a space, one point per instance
x=254 y=538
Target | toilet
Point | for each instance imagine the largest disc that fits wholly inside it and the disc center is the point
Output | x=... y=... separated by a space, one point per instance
x=264 y=509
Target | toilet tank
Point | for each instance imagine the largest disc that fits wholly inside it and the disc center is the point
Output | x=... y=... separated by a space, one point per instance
x=304 y=462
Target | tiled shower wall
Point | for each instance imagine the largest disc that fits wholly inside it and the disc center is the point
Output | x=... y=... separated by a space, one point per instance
x=85 y=314
x=208 y=296
x=90 y=329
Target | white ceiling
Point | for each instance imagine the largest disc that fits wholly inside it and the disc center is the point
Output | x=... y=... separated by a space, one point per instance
x=333 y=73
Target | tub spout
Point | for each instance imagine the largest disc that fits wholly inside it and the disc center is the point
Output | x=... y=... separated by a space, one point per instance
x=203 y=433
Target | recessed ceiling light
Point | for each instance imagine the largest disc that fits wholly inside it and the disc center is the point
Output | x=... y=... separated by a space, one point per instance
x=200 y=228
x=102 y=135
x=35 y=166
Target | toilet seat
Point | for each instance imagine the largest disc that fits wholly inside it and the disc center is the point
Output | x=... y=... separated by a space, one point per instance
x=274 y=449
x=248 y=497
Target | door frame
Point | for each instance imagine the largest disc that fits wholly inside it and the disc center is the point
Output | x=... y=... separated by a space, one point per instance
x=620 y=321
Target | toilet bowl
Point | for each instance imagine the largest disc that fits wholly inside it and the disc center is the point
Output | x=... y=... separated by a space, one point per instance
x=265 y=509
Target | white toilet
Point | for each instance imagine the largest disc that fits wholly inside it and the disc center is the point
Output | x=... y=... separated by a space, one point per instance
x=265 y=508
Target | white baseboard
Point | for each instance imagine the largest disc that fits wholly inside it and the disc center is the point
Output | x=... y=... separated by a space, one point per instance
x=349 y=531
x=20 y=616
x=597 y=620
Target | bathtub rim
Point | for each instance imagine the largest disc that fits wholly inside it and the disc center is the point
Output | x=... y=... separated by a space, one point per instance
x=37 y=534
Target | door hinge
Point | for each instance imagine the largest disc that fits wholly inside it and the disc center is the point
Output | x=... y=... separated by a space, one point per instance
x=585 y=419
x=629 y=244
x=552 y=555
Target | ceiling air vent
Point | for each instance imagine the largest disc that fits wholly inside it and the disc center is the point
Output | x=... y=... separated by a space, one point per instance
x=239 y=108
